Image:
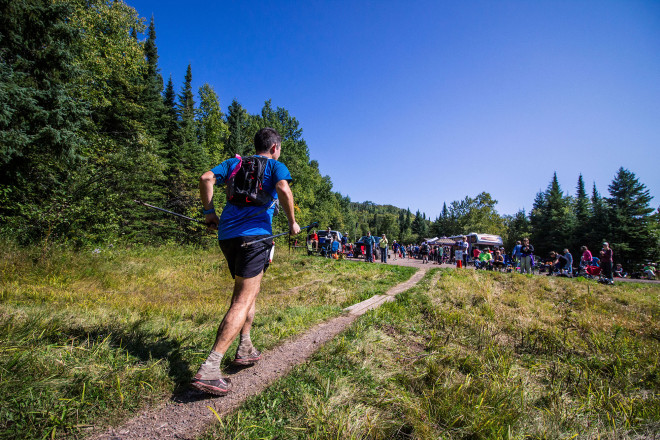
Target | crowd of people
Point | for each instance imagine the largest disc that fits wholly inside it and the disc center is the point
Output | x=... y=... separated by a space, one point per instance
x=521 y=259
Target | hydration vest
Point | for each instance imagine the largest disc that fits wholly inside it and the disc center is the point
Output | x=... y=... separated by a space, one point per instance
x=244 y=185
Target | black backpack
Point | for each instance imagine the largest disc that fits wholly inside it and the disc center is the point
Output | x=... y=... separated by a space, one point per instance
x=244 y=185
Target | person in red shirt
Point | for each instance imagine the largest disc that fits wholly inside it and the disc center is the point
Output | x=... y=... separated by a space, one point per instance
x=314 y=239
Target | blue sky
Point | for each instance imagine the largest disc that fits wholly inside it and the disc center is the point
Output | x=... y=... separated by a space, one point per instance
x=416 y=103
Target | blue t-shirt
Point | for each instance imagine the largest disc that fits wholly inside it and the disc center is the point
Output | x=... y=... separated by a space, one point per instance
x=239 y=221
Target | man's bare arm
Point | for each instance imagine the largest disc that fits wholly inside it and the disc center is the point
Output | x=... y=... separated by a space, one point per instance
x=206 y=183
x=286 y=201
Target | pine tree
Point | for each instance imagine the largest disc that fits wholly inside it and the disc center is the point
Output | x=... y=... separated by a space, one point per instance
x=582 y=212
x=239 y=141
x=40 y=121
x=151 y=54
x=187 y=105
x=599 y=222
x=186 y=158
x=407 y=223
x=419 y=227
x=629 y=211
x=155 y=117
x=172 y=139
x=551 y=219
x=582 y=206
x=193 y=157
x=190 y=150
x=440 y=227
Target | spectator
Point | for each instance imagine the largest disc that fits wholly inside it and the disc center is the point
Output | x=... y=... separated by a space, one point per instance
x=649 y=271
x=606 y=263
x=586 y=258
x=569 y=264
x=526 y=256
x=498 y=260
x=517 y=253
x=424 y=250
x=383 y=249
x=314 y=239
x=559 y=263
x=369 y=242
x=463 y=246
x=484 y=261
x=618 y=271
x=438 y=254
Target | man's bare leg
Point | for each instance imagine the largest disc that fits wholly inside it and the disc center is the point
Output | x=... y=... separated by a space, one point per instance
x=241 y=312
x=250 y=318
x=246 y=354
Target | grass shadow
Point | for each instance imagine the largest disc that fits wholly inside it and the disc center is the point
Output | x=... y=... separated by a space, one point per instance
x=142 y=344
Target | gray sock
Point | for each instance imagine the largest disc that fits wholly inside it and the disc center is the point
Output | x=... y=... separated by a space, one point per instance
x=210 y=369
x=245 y=345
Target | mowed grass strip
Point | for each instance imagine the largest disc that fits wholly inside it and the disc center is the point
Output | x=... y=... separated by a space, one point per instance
x=477 y=355
x=87 y=338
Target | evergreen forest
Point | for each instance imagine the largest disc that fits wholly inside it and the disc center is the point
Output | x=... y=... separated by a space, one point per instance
x=88 y=124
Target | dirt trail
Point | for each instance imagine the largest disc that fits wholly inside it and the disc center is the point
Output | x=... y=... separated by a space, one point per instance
x=187 y=414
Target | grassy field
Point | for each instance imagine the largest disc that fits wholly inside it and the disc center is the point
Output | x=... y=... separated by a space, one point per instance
x=478 y=355
x=87 y=338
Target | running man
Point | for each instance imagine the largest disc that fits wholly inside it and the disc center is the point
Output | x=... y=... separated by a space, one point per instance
x=237 y=225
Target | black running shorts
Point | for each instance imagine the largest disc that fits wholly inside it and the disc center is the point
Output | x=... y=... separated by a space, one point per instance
x=246 y=262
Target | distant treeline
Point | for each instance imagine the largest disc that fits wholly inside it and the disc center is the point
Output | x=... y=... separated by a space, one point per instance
x=87 y=125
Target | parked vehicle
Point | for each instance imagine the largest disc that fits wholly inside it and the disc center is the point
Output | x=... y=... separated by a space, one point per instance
x=359 y=251
x=480 y=241
x=336 y=236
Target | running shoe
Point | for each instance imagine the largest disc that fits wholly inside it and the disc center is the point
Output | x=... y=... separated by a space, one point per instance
x=217 y=387
x=250 y=359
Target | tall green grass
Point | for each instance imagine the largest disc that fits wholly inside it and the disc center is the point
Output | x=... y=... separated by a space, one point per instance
x=87 y=338
x=476 y=355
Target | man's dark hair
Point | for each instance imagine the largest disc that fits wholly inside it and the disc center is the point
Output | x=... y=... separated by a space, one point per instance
x=265 y=138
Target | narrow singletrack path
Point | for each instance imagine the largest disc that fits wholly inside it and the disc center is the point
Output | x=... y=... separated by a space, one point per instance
x=187 y=414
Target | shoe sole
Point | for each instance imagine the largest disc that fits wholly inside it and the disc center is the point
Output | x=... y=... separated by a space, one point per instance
x=216 y=391
x=248 y=361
